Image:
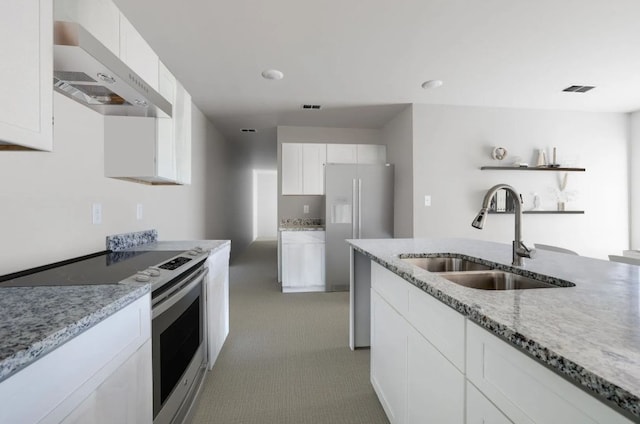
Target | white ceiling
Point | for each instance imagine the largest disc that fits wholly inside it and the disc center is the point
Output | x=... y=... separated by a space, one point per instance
x=362 y=59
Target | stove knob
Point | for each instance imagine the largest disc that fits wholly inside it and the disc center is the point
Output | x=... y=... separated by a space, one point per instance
x=153 y=271
x=193 y=253
x=142 y=277
x=199 y=249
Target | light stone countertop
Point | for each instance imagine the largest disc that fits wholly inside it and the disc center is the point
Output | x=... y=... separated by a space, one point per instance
x=589 y=334
x=36 y=320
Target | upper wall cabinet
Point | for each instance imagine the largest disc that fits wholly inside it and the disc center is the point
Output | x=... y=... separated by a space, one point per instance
x=303 y=168
x=100 y=17
x=135 y=52
x=26 y=47
x=182 y=134
x=356 y=153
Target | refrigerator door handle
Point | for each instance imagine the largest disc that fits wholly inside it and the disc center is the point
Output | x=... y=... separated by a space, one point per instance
x=353 y=209
x=359 y=207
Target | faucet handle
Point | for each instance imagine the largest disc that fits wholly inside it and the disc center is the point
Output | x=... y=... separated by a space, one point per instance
x=525 y=252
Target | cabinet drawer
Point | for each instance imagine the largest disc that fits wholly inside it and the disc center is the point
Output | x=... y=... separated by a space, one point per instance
x=526 y=391
x=438 y=323
x=390 y=287
x=302 y=236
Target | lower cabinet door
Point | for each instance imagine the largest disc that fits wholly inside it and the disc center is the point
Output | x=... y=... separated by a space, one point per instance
x=389 y=358
x=480 y=410
x=125 y=397
x=435 y=386
x=303 y=266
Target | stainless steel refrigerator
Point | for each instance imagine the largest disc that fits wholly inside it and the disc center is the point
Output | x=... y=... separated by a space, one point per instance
x=359 y=204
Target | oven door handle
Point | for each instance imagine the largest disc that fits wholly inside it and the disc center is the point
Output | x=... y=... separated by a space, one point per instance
x=168 y=302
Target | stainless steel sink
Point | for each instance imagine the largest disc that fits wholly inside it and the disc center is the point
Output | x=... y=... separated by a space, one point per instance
x=446 y=264
x=497 y=280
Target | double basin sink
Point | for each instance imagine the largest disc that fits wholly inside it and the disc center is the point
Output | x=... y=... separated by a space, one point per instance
x=469 y=273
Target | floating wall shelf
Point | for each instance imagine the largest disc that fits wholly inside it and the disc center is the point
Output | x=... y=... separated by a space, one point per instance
x=539 y=212
x=530 y=168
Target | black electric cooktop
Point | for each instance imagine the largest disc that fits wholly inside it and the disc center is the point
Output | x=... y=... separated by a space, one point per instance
x=98 y=268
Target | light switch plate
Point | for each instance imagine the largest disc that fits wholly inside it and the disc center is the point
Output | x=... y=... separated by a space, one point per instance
x=96 y=213
x=139 y=210
x=427 y=200
x=305 y=208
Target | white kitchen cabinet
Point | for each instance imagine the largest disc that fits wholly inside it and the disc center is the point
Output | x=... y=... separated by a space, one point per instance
x=303 y=168
x=519 y=386
x=100 y=17
x=165 y=127
x=217 y=302
x=314 y=157
x=415 y=381
x=137 y=54
x=371 y=153
x=435 y=388
x=342 y=153
x=480 y=410
x=303 y=261
x=26 y=47
x=182 y=134
x=134 y=152
x=291 y=159
x=103 y=375
x=389 y=358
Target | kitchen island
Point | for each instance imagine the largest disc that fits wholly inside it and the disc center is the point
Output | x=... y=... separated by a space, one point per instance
x=588 y=334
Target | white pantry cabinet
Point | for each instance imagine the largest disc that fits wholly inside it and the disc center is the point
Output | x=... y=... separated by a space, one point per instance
x=303 y=168
x=302 y=261
x=217 y=302
x=26 y=48
x=101 y=376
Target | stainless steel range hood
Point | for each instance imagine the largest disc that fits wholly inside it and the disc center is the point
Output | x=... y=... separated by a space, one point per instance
x=88 y=72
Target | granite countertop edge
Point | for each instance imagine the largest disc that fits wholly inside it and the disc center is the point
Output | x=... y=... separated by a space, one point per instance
x=606 y=391
x=301 y=228
x=42 y=346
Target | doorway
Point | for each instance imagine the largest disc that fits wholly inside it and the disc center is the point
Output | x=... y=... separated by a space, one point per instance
x=265 y=199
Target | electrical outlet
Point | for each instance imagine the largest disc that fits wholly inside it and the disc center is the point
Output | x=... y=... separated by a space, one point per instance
x=96 y=213
x=427 y=200
x=139 y=211
x=305 y=208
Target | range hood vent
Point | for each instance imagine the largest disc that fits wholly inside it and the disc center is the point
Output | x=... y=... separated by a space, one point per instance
x=89 y=73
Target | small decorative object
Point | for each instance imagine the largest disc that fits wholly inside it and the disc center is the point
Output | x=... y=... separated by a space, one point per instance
x=555 y=163
x=499 y=153
x=517 y=161
x=562 y=194
x=542 y=158
x=537 y=204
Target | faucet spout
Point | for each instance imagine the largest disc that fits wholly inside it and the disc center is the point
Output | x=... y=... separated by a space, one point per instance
x=520 y=251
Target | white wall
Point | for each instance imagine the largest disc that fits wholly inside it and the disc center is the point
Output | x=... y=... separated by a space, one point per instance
x=292 y=206
x=451 y=143
x=45 y=200
x=634 y=179
x=398 y=136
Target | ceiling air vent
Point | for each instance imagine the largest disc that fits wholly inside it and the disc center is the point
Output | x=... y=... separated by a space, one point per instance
x=248 y=130
x=316 y=107
x=579 y=88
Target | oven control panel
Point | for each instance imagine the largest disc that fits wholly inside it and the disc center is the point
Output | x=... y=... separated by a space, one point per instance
x=175 y=263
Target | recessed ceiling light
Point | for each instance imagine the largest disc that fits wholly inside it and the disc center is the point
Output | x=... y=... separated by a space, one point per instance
x=432 y=84
x=272 y=74
x=579 y=88
x=248 y=130
x=310 y=106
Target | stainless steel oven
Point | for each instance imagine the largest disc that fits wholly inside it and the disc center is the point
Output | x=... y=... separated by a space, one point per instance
x=178 y=345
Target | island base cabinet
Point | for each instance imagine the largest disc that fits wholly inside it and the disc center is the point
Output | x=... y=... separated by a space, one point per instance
x=481 y=411
x=435 y=392
x=525 y=390
x=125 y=397
x=217 y=302
x=389 y=358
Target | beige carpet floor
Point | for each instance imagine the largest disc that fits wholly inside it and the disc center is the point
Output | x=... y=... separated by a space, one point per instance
x=286 y=359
